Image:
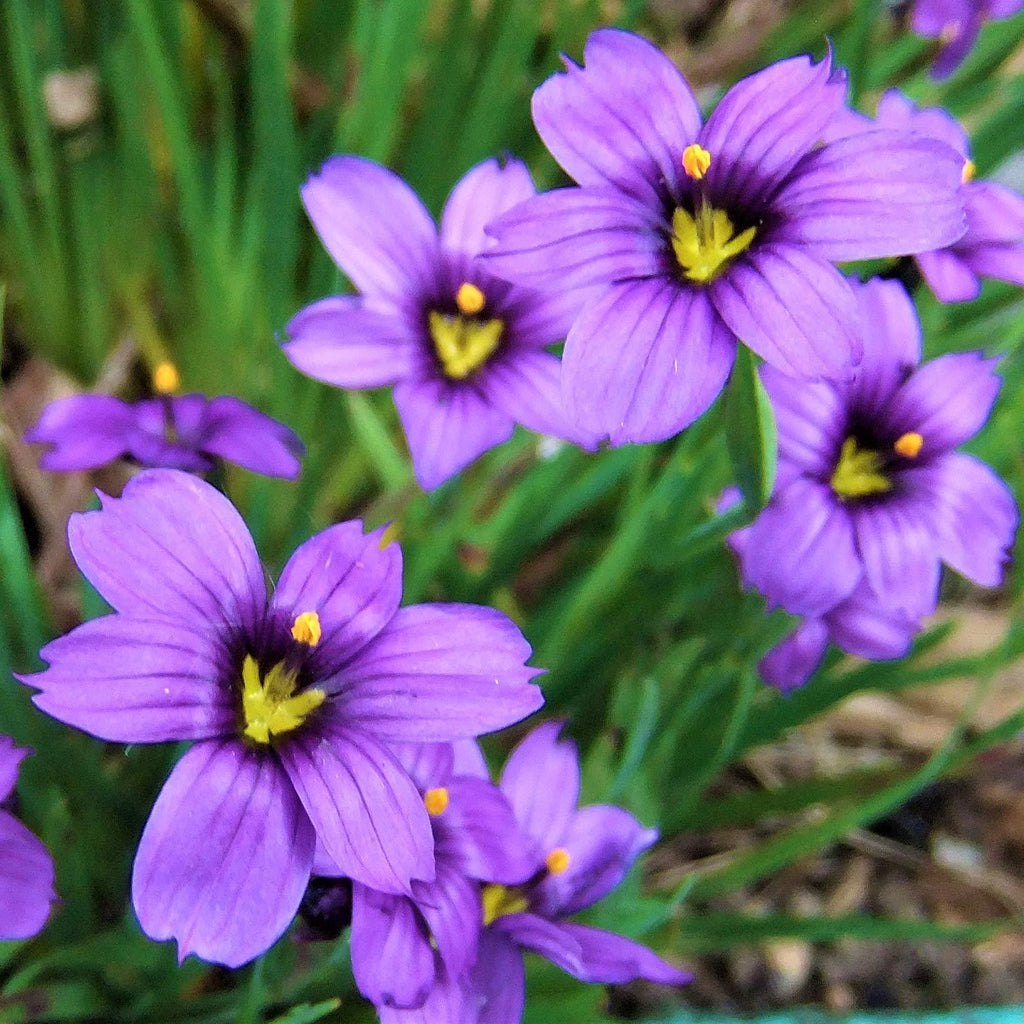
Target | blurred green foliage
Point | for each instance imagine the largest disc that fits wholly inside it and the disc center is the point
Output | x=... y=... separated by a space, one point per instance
x=167 y=218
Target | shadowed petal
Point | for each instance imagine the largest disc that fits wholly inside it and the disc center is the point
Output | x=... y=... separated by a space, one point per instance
x=977 y=516
x=351 y=582
x=800 y=551
x=542 y=782
x=173 y=547
x=440 y=672
x=794 y=310
x=225 y=856
x=11 y=757
x=611 y=959
x=864 y=626
x=447 y=1000
x=366 y=810
x=497 y=980
x=392 y=961
x=239 y=433
x=602 y=843
x=623 y=119
x=578 y=237
x=137 y=681
x=792 y=661
x=26 y=881
x=645 y=361
x=765 y=124
x=898 y=546
x=344 y=342
x=946 y=401
x=373 y=225
x=948 y=276
x=879 y=193
x=451 y=907
x=480 y=195
x=543 y=937
x=85 y=430
x=447 y=426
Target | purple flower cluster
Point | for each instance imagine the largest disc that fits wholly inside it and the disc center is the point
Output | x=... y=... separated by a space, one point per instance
x=293 y=702
x=464 y=348
x=956 y=24
x=188 y=432
x=26 y=868
x=871 y=495
x=514 y=862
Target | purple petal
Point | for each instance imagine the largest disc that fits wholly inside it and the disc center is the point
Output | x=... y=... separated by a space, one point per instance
x=792 y=661
x=765 y=124
x=479 y=832
x=977 y=517
x=469 y=760
x=528 y=387
x=578 y=238
x=429 y=764
x=542 y=782
x=645 y=361
x=611 y=959
x=171 y=547
x=623 y=119
x=497 y=981
x=346 y=342
x=11 y=757
x=794 y=310
x=241 y=434
x=86 y=431
x=896 y=111
x=351 y=582
x=153 y=444
x=899 y=549
x=373 y=225
x=995 y=213
x=392 y=961
x=26 y=881
x=447 y=1000
x=545 y=938
x=447 y=427
x=879 y=193
x=225 y=856
x=948 y=275
x=864 y=626
x=810 y=417
x=946 y=400
x=440 y=672
x=800 y=552
x=602 y=842
x=452 y=909
x=366 y=810
x=138 y=681
x=892 y=344
x=480 y=195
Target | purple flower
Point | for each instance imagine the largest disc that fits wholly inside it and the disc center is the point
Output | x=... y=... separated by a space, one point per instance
x=187 y=432
x=683 y=239
x=870 y=491
x=464 y=349
x=292 y=701
x=26 y=868
x=400 y=944
x=956 y=24
x=993 y=245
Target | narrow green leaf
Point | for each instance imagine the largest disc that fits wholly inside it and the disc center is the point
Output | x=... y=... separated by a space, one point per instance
x=750 y=431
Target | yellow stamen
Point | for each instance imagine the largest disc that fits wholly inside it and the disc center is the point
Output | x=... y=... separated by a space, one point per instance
x=463 y=346
x=435 y=801
x=909 y=445
x=703 y=247
x=306 y=628
x=859 y=472
x=969 y=170
x=500 y=901
x=696 y=161
x=469 y=299
x=166 y=379
x=557 y=860
x=391 y=534
x=271 y=705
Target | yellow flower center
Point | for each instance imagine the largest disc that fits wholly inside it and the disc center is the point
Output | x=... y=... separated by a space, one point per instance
x=470 y=299
x=703 y=245
x=557 y=860
x=166 y=379
x=500 y=901
x=970 y=168
x=463 y=344
x=909 y=445
x=435 y=801
x=306 y=629
x=270 y=704
x=858 y=472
